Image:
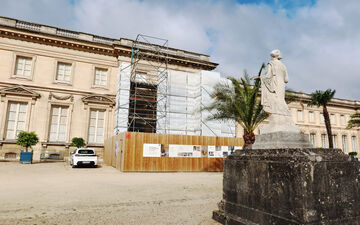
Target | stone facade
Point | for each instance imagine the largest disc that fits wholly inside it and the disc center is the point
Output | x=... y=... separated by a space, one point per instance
x=45 y=69
x=310 y=121
x=62 y=84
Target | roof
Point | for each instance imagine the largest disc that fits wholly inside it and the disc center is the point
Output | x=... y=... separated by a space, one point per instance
x=106 y=45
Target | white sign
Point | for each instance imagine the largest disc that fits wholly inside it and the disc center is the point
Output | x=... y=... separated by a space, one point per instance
x=184 y=151
x=152 y=150
x=211 y=151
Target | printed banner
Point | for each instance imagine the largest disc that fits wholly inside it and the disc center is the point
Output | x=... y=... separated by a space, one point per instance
x=152 y=150
x=194 y=151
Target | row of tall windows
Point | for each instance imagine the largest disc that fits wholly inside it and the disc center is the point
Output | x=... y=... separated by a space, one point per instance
x=344 y=141
x=300 y=118
x=59 y=120
x=23 y=69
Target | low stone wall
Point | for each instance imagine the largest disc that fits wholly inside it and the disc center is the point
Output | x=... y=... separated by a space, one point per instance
x=290 y=186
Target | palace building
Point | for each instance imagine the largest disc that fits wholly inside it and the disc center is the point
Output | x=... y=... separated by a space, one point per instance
x=63 y=84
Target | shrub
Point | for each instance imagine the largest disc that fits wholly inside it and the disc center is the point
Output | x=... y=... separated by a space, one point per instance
x=353 y=153
x=27 y=139
x=78 y=142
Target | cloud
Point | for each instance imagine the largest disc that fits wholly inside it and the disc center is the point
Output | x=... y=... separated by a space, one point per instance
x=319 y=40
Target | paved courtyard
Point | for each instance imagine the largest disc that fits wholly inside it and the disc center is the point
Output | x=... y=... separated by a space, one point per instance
x=54 y=193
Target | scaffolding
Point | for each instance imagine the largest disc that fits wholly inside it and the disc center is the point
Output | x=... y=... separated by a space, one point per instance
x=148 y=85
x=154 y=99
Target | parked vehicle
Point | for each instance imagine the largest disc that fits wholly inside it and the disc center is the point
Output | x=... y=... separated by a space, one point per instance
x=84 y=157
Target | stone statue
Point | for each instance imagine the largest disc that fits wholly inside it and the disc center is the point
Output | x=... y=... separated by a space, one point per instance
x=273 y=97
x=273 y=86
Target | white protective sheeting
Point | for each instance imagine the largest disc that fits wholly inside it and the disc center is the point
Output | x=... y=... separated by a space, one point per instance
x=177 y=102
x=162 y=104
x=122 y=98
x=213 y=128
x=193 y=107
x=180 y=99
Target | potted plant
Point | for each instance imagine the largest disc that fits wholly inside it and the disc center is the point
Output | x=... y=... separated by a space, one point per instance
x=26 y=139
x=353 y=154
x=78 y=142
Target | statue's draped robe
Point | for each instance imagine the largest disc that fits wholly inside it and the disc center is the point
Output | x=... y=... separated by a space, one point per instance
x=273 y=88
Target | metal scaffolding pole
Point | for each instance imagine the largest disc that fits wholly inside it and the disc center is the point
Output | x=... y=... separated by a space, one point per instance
x=149 y=87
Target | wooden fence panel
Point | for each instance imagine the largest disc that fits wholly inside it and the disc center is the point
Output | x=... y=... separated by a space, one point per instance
x=129 y=155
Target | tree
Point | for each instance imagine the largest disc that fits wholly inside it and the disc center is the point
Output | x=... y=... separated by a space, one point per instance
x=239 y=101
x=27 y=139
x=322 y=98
x=78 y=142
x=354 y=121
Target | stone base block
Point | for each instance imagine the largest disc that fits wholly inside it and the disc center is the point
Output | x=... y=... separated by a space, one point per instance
x=290 y=187
x=281 y=140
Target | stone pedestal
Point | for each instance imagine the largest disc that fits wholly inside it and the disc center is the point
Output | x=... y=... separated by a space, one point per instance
x=290 y=187
x=282 y=139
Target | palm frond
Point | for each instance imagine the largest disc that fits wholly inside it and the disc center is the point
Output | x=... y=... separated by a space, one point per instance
x=238 y=101
x=354 y=121
x=321 y=98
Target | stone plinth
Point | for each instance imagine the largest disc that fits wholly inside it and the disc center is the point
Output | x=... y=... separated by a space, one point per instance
x=282 y=139
x=290 y=187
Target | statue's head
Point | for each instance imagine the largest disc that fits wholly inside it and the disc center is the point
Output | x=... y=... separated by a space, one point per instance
x=276 y=54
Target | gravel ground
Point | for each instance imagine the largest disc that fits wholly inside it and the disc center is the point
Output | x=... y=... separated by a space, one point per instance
x=55 y=193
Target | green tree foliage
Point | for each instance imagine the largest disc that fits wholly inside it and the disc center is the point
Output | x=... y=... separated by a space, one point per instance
x=290 y=96
x=354 y=121
x=27 y=139
x=239 y=101
x=78 y=142
x=353 y=153
x=322 y=98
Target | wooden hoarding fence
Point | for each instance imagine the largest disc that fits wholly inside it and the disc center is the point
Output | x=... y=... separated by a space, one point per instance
x=125 y=152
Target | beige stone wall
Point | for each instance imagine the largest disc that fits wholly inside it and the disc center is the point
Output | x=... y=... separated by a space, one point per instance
x=318 y=128
x=44 y=69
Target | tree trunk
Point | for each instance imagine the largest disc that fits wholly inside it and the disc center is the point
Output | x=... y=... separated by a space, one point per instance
x=328 y=126
x=249 y=139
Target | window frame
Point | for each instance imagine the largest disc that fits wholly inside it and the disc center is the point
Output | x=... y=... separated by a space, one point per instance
x=322 y=118
x=108 y=72
x=342 y=120
x=72 y=67
x=313 y=117
x=17 y=55
x=104 y=125
x=302 y=115
x=333 y=119
x=67 y=123
x=52 y=103
x=335 y=141
x=323 y=140
x=27 y=114
x=344 y=143
x=312 y=137
x=354 y=143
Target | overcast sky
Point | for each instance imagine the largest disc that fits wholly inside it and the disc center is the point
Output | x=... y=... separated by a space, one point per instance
x=320 y=40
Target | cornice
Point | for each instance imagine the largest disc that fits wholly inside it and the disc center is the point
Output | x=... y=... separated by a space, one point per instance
x=171 y=59
x=53 y=89
x=335 y=102
x=115 y=50
x=56 y=43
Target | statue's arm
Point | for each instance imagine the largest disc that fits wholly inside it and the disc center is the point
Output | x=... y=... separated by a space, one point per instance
x=269 y=71
x=286 y=77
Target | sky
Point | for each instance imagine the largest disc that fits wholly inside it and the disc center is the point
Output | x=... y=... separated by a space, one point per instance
x=319 y=39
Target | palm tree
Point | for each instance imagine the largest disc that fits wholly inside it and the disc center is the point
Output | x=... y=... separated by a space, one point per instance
x=322 y=98
x=239 y=101
x=354 y=121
